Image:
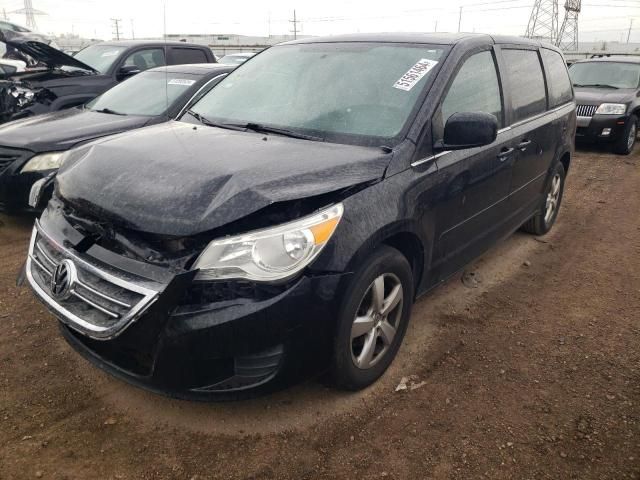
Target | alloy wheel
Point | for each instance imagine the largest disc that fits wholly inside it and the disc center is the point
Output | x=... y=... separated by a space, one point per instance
x=377 y=320
x=633 y=132
x=553 y=197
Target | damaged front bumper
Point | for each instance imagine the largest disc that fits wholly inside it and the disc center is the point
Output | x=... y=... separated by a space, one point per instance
x=161 y=330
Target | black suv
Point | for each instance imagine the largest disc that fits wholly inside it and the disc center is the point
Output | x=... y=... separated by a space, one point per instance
x=299 y=208
x=71 y=81
x=607 y=93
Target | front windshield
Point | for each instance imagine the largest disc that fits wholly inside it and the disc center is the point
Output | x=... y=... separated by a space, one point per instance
x=99 y=57
x=605 y=74
x=148 y=94
x=330 y=89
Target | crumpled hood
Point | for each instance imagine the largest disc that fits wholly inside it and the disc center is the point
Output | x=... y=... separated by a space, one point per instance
x=596 y=96
x=64 y=129
x=36 y=49
x=179 y=179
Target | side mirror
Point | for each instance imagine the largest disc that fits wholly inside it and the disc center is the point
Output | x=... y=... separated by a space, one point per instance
x=469 y=130
x=128 y=71
x=6 y=71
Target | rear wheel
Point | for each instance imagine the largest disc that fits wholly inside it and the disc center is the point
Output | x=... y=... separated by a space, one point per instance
x=373 y=319
x=624 y=145
x=546 y=215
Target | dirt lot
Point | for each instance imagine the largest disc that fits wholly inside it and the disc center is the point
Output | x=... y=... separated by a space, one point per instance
x=532 y=371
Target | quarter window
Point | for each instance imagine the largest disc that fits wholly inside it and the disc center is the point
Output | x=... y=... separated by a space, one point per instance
x=558 y=78
x=526 y=82
x=474 y=89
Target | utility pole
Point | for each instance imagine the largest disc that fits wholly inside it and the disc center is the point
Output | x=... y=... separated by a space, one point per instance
x=435 y=27
x=116 y=27
x=133 y=35
x=269 y=23
x=460 y=18
x=4 y=14
x=629 y=32
x=295 y=25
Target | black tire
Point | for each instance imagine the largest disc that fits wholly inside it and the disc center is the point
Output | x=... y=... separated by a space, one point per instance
x=624 y=145
x=393 y=267
x=539 y=224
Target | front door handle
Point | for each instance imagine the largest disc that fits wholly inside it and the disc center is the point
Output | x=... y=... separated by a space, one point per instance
x=505 y=153
x=522 y=146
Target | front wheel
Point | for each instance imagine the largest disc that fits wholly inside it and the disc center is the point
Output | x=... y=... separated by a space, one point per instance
x=626 y=142
x=373 y=319
x=546 y=215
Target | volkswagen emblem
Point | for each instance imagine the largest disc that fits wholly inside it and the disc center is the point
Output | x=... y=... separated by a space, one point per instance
x=63 y=280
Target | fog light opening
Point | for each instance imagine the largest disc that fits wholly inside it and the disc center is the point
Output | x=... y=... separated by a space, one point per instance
x=606 y=132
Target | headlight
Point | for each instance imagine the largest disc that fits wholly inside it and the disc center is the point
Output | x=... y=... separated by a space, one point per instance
x=271 y=254
x=44 y=161
x=611 y=109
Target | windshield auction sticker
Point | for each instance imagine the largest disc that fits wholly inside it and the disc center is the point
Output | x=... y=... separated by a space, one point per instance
x=181 y=81
x=415 y=73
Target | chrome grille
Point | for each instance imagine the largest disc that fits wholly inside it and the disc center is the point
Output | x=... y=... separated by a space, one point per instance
x=586 y=110
x=100 y=304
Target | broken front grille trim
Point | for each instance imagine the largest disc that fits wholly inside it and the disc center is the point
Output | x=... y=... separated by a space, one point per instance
x=98 y=332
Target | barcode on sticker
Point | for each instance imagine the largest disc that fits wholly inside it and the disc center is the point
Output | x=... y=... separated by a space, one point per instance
x=415 y=73
x=181 y=81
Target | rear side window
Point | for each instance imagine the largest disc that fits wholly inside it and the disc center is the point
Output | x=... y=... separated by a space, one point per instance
x=526 y=82
x=146 y=59
x=557 y=77
x=475 y=88
x=187 y=55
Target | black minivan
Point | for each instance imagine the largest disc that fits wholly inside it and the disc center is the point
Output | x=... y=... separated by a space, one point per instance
x=293 y=215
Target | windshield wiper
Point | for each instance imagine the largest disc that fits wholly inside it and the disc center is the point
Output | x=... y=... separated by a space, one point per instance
x=109 y=111
x=596 y=85
x=258 y=127
x=254 y=127
x=209 y=123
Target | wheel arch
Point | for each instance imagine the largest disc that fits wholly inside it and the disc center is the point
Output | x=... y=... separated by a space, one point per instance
x=404 y=237
x=565 y=160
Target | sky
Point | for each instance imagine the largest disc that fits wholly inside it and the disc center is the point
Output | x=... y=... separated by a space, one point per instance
x=600 y=20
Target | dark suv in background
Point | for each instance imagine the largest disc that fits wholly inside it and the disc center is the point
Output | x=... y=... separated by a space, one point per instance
x=607 y=94
x=295 y=212
x=63 y=81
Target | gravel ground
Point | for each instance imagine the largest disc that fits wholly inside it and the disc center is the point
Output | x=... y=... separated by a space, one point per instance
x=530 y=370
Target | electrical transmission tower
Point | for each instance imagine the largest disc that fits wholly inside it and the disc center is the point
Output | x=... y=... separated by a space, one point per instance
x=543 y=22
x=568 y=36
x=30 y=14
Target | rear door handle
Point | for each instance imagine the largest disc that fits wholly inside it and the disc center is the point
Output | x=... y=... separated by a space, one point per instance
x=505 y=153
x=522 y=146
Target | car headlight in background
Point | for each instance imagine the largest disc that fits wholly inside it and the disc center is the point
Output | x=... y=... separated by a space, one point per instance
x=271 y=254
x=44 y=161
x=611 y=109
